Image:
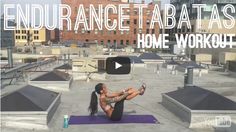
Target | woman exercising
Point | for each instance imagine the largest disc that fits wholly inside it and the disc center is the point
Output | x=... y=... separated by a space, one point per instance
x=106 y=99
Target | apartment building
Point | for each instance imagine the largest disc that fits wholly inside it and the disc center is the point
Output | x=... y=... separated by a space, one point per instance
x=43 y=36
x=25 y=37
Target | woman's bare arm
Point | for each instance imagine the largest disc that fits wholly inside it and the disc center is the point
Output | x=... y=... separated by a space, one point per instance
x=116 y=99
x=115 y=94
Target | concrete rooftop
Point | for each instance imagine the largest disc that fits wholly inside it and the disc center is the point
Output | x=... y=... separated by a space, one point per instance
x=76 y=101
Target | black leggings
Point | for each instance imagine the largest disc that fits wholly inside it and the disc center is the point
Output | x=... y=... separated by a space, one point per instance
x=118 y=111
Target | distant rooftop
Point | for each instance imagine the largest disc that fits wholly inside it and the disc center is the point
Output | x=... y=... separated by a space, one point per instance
x=134 y=59
x=53 y=76
x=150 y=56
x=64 y=66
x=191 y=64
x=172 y=62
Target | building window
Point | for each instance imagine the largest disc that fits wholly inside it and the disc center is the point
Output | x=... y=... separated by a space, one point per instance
x=17 y=37
x=153 y=31
x=86 y=40
x=128 y=22
x=108 y=42
x=36 y=32
x=192 y=28
x=127 y=32
x=23 y=37
x=88 y=32
x=109 y=22
x=23 y=31
x=127 y=42
x=147 y=31
x=135 y=12
x=135 y=21
x=121 y=42
x=134 y=42
x=114 y=31
x=101 y=42
x=36 y=37
x=148 y=22
x=135 y=31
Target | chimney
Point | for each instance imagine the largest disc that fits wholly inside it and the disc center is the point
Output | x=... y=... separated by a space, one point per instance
x=188 y=78
x=9 y=55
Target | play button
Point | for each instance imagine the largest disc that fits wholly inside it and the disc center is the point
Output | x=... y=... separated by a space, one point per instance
x=118 y=65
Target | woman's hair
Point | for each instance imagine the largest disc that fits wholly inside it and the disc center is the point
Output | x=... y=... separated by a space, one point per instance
x=93 y=107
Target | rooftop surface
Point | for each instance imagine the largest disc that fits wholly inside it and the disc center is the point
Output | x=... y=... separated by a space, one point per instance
x=76 y=101
x=150 y=56
x=53 y=76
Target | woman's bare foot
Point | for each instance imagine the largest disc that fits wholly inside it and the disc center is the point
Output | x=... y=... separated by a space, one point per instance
x=142 y=89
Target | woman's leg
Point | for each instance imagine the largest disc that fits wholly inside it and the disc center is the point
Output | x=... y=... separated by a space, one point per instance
x=118 y=111
x=132 y=93
x=119 y=106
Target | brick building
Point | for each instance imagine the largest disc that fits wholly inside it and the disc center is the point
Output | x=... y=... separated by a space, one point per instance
x=105 y=37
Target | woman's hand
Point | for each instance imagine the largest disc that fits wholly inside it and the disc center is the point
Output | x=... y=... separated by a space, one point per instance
x=123 y=91
x=127 y=89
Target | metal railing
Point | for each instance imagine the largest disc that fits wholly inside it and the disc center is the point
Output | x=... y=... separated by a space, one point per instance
x=20 y=71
